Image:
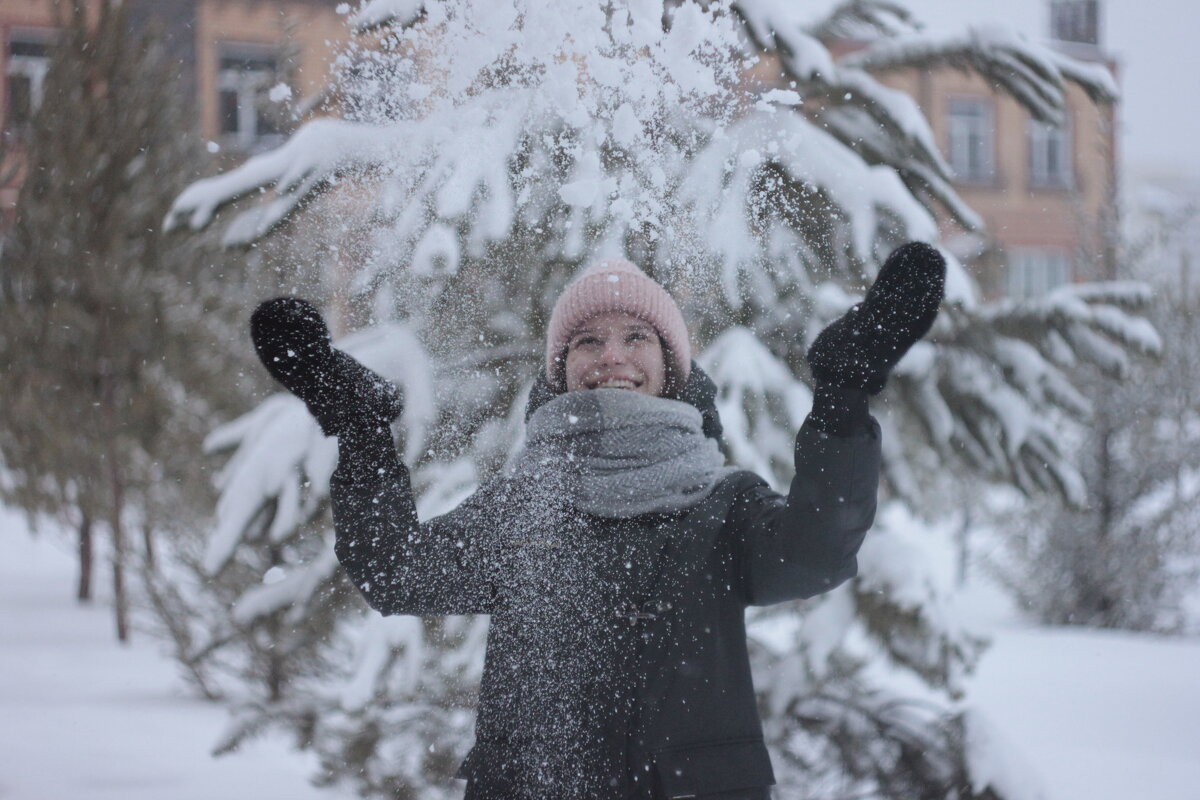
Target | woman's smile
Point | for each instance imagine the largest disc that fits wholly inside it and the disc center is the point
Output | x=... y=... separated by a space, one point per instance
x=614 y=383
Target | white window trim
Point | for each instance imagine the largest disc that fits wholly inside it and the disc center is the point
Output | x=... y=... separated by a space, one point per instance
x=1034 y=271
x=960 y=133
x=35 y=68
x=247 y=84
x=1039 y=135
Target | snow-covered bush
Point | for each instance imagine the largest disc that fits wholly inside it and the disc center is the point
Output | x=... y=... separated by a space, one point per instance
x=492 y=149
x=1128 y=556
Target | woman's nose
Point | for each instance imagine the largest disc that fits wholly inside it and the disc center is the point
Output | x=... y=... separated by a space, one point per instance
x=614 y=352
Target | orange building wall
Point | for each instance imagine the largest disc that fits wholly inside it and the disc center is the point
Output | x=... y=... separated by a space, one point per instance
x=28 y=14
x=310 y=30
x=314 y=30
x=1017 y=214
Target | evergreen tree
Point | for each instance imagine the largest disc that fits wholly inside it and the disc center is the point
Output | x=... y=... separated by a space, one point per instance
x=1126 y=557
x=109 y=335
x=493 y=150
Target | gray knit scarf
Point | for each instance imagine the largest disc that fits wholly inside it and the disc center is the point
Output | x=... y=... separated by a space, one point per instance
x=619 y=453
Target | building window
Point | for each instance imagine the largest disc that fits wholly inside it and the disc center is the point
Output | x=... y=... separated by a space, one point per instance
x=971 y=141
x=247 y=117
x=1049 y=155
x=1075 y=21
x=1033 y=271
x=28 y=63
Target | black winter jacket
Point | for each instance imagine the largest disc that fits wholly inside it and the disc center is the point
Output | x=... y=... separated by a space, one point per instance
x=650 y=645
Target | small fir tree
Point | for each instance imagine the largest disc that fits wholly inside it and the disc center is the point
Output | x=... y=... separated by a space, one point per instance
x=111 y=338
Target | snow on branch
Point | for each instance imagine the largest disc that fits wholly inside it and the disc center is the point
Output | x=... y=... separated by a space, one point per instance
x=1005 y=432
x=1093 y=321
x=777 y=27
x=907 y=605
x=1095 y=79
x=891 y=110
x=1035 y=377
x=377 y=13
x=860 y=18
x=760 y=402
x=854 y=126
x=780 y=27
x=306 y=163
x=266 y=488
x=1033 y=74
x=385 y=641
x=721 y=181
x=996 y=766
x=293 y=591
x=933 y=409
x=1125 y=294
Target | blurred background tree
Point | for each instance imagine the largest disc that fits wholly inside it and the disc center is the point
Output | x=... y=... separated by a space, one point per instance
x=114 y=342
x=1127 y=557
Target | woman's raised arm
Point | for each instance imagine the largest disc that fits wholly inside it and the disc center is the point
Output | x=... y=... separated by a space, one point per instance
x=807 y=543
x=400 y=565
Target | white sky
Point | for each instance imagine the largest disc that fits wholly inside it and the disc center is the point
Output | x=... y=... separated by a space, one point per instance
x=1157 y=45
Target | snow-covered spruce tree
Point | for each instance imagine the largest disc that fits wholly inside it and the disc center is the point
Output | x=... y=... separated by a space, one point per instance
x=493 y=149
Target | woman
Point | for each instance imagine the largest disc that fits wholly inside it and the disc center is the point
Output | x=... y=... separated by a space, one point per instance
x=618 y=554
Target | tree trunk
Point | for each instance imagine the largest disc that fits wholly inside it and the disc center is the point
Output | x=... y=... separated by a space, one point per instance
x=964 y=547
x=116 y=480
x=148 y=545
x=117 y=486
x=120 y=595
x=85 y=558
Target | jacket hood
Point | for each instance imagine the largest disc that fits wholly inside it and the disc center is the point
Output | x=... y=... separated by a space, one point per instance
x=699 y=391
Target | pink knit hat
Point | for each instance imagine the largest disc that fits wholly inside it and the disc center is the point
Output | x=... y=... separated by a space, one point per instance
x=615 y=285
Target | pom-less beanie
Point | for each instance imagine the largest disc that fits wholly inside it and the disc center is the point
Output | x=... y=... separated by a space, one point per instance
x=615 y=285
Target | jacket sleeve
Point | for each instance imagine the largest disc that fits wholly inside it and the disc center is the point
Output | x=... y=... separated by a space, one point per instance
x=400 y=565
x=806 y=543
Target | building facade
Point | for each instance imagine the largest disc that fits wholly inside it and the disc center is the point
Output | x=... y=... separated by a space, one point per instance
x=1047 y=194
x=245 y=64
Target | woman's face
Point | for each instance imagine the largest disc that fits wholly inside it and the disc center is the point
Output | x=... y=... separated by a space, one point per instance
x=616 y=351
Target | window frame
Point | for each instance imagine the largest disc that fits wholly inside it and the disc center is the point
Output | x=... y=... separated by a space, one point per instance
x=1034 y=271
x=31 y=67
x=249 y=82
x=1075 y=21
x=1040 y=137
x=981 y=126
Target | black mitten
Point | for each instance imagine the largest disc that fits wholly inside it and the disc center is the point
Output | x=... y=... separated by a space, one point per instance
x=294 y=344
x=858 y=350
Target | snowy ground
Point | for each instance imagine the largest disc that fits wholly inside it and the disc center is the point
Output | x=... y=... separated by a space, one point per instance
x=84 y=719
x=1097 y=716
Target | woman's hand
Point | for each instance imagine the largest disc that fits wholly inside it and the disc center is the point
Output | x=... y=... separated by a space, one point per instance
x=294 y=344
x=858 y=350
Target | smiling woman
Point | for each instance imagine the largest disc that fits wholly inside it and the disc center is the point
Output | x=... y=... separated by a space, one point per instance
x=616 y=351
x=615 y=326
x=619 y=552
